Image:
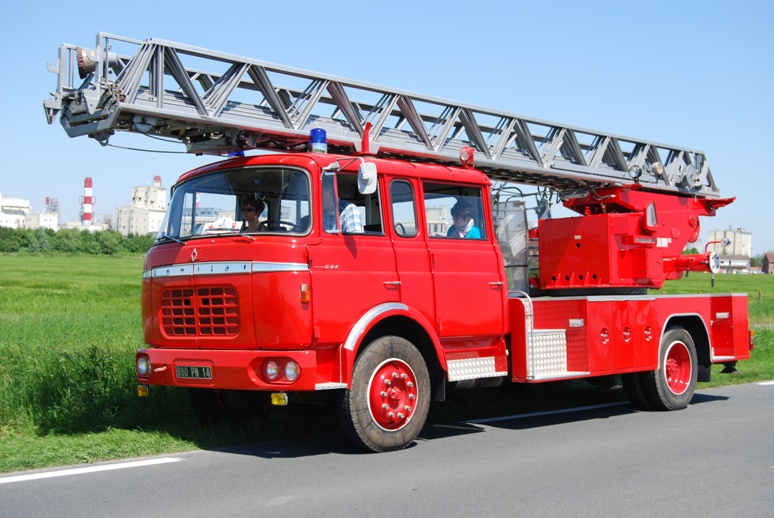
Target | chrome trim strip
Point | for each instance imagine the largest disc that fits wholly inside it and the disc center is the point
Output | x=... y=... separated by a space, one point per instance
x=259 y=266
x=221 y=268
x=367 y=318
x=331 y=385
x=173 y=270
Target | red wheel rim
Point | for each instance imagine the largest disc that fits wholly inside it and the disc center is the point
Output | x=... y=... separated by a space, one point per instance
x=392 y=394
x=677 y=367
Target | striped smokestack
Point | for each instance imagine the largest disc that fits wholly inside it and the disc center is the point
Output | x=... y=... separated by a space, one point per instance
x=86 y=207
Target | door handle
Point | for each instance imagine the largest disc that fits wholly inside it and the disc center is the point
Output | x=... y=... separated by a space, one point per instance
x=496 y=283
x=392 y=283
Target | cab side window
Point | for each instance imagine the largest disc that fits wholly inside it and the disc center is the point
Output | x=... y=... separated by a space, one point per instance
x=346 y=209
x=454 y=211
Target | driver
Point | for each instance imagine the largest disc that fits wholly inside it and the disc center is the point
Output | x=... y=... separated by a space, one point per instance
x=251 y=209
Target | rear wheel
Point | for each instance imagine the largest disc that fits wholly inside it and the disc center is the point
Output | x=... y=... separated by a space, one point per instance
x=389 y=400
x=671 y=386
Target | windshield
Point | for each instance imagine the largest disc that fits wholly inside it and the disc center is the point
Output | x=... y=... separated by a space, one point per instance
x=248 y=200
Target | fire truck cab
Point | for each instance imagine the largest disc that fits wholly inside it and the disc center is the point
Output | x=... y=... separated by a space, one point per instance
x=295 y=305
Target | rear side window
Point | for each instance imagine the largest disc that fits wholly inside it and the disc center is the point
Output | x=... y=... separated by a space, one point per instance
x=454 y=211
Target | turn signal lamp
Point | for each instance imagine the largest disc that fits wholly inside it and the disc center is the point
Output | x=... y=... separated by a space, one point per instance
x=279 y=399
x=142 y=390
x=306 y=294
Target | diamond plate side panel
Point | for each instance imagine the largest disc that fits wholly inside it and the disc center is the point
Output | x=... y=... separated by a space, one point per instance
x=546 y=353
x=473 y=368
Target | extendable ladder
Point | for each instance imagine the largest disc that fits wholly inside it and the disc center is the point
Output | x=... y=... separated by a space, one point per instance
x=217 y=103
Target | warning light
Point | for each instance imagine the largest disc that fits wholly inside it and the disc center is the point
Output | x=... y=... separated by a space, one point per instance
x=318 y=140
x=467 y=156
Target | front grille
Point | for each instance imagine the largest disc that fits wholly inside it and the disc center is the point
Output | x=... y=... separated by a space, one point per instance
x=205 y=311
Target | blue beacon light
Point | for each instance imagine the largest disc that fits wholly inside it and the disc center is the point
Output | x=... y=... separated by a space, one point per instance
x=318 y=140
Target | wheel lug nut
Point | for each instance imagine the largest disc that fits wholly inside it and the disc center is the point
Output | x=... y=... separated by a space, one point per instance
x=408 y=409
x=385 y=406
x=383 y=394
x=387 y=382
x=410 y=384
x=400 y=415
x=404 y=375
x=412 y=396
x=395 y=375
x=392 y=414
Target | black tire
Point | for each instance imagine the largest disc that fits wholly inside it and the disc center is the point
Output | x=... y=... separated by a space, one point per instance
x=388 y=403
x=211 y=405
x=635 y=391
x=671 y=386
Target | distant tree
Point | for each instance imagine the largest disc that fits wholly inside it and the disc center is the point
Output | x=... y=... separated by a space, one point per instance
x=88 y=243
x=109 y=242
x=72 y=241
x=137 y=244
x=9 y=241
x=756 y=260
x=67 y=241
x=691 y=251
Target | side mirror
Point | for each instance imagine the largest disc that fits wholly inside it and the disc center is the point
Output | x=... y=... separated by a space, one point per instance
x=366 y=178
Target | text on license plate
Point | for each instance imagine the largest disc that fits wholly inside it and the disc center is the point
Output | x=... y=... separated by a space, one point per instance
x=189 y=372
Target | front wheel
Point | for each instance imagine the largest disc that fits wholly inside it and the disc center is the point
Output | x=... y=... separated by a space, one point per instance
x=671 y=386
x=389 y=400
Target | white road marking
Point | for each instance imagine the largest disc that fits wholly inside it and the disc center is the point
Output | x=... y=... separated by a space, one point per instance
x=90 y=469
x=766 y=383
x=550 y=412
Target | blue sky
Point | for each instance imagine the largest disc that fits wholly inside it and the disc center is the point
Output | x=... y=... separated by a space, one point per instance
x=693 y=74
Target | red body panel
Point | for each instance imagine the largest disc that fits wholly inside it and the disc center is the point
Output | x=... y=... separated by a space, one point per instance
x=606 y=335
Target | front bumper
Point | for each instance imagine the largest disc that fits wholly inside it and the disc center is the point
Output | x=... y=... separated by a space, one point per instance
x=230 y=370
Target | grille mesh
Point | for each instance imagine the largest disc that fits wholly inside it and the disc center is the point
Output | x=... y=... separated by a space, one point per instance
x=204 y=311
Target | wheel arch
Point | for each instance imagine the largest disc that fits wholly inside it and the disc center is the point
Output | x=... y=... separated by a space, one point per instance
x=696 y=327
x=399 y=320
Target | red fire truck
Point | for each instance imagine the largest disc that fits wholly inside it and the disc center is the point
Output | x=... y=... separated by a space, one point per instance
x=378 y=250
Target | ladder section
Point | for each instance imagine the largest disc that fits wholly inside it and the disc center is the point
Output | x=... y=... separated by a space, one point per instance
x=217 y=103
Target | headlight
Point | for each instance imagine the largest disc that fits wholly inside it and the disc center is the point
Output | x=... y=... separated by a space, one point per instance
x=291 y=371
x=271 y=370
x=143 y=366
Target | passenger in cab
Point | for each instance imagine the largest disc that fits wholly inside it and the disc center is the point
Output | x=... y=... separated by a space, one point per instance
x=350 y=217
x=464 y=226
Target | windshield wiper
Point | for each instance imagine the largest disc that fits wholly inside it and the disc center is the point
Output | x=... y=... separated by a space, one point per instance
x=171 y=238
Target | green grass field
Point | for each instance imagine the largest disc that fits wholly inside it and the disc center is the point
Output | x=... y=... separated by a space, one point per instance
x=69 y=328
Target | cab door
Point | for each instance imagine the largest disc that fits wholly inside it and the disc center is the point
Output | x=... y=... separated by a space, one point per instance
x=467 y=276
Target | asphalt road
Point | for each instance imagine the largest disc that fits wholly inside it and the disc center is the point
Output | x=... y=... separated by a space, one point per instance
x=716 y=458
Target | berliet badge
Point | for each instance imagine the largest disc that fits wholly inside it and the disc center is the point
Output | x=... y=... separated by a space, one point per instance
x=193 y=255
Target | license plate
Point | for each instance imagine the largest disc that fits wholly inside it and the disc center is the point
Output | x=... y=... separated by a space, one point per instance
x=188 y=372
